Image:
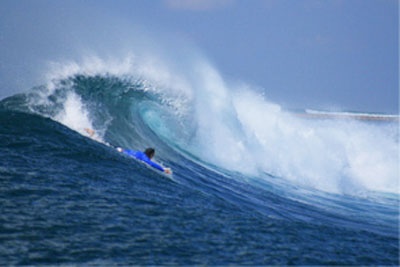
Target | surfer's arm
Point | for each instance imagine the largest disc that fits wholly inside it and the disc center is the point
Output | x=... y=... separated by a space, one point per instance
x=154 y=165
x=133 y=153
x=157 y=166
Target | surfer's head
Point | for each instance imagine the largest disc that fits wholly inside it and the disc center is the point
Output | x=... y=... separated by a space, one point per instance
x=149 y=152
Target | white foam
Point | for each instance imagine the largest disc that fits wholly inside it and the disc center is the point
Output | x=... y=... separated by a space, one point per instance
x=239 y=130
x=76 y=116
x=333 y=156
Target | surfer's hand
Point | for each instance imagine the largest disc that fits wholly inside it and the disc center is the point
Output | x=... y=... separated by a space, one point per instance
x=167 y=170
x=90 y=131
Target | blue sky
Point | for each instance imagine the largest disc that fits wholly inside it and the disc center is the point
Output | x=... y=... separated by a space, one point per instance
x=322 y=54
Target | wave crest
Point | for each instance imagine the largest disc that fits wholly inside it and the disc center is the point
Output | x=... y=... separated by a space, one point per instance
x=137 y=104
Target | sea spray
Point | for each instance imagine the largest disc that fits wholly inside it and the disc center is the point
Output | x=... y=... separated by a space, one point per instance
x=331 y=155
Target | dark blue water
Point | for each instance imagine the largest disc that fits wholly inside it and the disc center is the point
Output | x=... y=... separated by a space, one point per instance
x=68 y=199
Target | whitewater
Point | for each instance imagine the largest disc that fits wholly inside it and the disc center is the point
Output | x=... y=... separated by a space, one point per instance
x=253 y=183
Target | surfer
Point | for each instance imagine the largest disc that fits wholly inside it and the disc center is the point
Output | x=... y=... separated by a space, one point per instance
x=146 y=157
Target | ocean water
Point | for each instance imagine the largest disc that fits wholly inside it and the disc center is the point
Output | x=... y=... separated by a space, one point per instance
x=253 y=184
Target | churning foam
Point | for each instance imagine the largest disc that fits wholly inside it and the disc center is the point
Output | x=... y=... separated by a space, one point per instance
x=239 y=130
x=330 y=155
x=76 y=116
